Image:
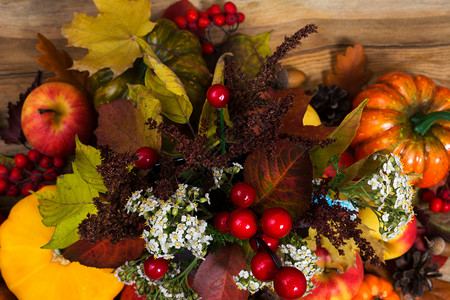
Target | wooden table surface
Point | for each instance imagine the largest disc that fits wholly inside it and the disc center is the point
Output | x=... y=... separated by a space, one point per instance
x=411 y=36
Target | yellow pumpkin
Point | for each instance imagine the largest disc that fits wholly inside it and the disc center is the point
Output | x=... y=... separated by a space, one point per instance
x=34 y=273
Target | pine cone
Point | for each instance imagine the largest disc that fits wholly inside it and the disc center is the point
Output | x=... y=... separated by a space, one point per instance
x=331 y=104
x=414 y=272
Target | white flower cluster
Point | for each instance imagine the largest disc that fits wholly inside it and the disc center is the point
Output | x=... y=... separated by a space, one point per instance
x=171 y=223
x=394 y=196
x=246 y=281
x=219 y=175
x=301 y=258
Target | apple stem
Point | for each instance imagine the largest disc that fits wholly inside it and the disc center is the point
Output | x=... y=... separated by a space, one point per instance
x=45 y=110
x=261 y=245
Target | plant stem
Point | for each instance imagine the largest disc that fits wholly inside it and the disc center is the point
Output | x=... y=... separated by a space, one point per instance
x=222 y=130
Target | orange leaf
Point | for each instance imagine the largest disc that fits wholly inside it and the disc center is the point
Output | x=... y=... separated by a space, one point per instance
x=350 y=71
x=59 y=62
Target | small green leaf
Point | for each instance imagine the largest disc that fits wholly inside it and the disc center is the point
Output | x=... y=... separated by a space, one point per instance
x=208 y=112
x=166 y=86
x=7 y=161
x=65 y=208
x=249 y=52
x=343 y=135
x=87 y=159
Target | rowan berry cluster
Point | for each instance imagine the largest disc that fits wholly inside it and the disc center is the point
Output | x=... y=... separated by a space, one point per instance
x=438 y=202
x=214 y=16
x=29 y=173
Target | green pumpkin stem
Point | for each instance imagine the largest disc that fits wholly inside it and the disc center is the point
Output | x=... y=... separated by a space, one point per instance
x=423 y=122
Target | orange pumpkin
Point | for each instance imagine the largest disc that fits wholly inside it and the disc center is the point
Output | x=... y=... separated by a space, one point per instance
x=34 y=273
x=374 y=287
x=396 y=114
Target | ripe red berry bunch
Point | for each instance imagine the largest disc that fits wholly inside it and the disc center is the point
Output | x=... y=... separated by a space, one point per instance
x=30 y=172
x=214 y=16
x=439 y=202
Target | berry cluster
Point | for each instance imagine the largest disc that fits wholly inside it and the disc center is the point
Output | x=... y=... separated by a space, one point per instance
x=196 y=21
x=439 y=201
x=30 y=172
x=275 y=223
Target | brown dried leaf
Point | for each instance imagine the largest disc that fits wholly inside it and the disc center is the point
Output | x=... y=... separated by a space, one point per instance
x=214 y=278
x=60 y=62
x=350 y=72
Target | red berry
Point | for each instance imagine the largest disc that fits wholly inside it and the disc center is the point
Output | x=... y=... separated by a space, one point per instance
x=219 y=20
x=3 y=185
x=36 y=176
x=181 y=22
x=203 y=22
x=30 y=166
x=240 y=17
x=207 y=48
x=444 y=193
x=58 y=162
x=263 y=267
x=218 y=95
x=445 y=207
x=147 y=158
x=192 y=26
x=15 y=174
x=45 y=162
x=203 y=14
x=13 y=190
x=242 y=194
x=155 y=268
x=20 y=160
x=34 y=155
x=25 y=190
x=276 y=222
x=229 y=7
x=436 y=204
x=289 y=283
x=428 y=195
x=4 y=171
x=213 y=10
x=270 y=242
x=220 y=221
x=242 y=223
x=50 y=174
x=191 y=15
x=230 y=19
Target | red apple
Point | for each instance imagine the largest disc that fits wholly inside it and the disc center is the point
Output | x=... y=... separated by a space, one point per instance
x=396 y=247
x=53 y=114
x=332 y=284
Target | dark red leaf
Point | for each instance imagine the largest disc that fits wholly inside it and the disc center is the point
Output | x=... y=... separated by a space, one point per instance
x=214 y=277
x=13 y=134
x=104 y=254
x=179 y=8
x=284 y=179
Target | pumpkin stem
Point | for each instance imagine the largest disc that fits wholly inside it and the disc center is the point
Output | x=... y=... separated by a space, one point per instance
x=423 y=122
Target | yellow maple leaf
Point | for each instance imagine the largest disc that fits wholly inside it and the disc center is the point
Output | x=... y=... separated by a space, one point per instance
x=111 y=36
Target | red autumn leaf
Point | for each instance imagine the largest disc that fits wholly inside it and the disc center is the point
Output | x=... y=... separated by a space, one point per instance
x=292 y=122
x=104 y=254
x=214 y=278
x=284 y=179
x=60 y=62
x=13 y=134
x=178 y=8
x=350 y=72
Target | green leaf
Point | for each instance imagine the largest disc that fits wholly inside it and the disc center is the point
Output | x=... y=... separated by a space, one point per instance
x=7 y=161
x=111 y=36
x=166 y=86
x=208 y=112
x=65 y=208
x=284 y=179
x=249 y=52
x=87 y=158
x=343 y=135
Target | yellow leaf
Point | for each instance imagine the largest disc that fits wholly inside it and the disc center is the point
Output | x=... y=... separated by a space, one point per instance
x=208 y=111
x=166 y=86
x=111 y=36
